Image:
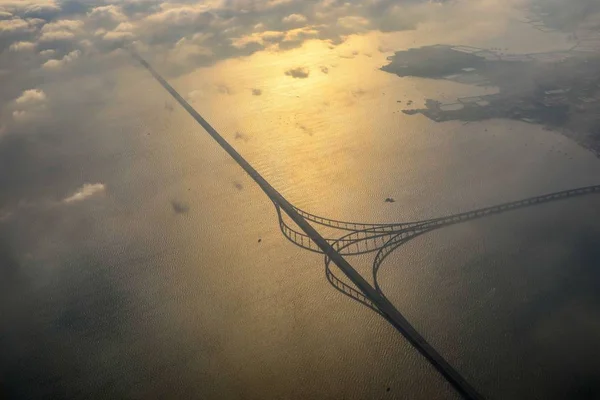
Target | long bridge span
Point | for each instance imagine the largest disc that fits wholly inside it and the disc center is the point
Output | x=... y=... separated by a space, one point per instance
x=360 y=238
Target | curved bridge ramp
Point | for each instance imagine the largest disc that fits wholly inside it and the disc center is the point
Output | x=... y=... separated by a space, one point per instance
x=361 y=238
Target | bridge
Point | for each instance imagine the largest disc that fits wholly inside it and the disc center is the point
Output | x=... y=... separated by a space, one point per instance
x=360 y=238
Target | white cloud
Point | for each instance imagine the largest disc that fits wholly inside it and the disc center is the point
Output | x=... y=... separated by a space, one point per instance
x=262 y=38
x=294 y=19
x=187 y=48
x=22 y=46
x=59 y=63
x=116 y=36
x=107 y=13
x=353 y=22
x=47 y=53
x=86 y=44
x=41 y=7
x=63 y=24
x=86 y=191
x=17 y=25
x=179 y=16
x=195 y=95
x=64 y=29
x=31 y=96
x=34 y=22
x=20 y=115
x=5 y=15
x=237 y=26
x=124 y=27
x=275 y=3
x=56 y=36
x=29 y=104
x=273 y=38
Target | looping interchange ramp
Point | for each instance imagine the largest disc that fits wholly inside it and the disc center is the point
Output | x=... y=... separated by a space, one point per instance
x=382 y=239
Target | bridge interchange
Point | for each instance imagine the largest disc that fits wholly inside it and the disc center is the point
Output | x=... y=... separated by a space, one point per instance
x=360 y=238
x=382 y=239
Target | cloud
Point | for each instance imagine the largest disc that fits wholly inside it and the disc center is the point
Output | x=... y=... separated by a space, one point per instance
x=63 y=24
x=107 y=13
x=59 y=63
x=195 y=95
x=124 y=27
x=22 y=46
x=298 y=72
x=14 y=26
x=261 y=38
x=187 y=50
x=44 y=10
x=86 y=191
x=47 y=53
x=31 y=96
x=183 y=15
x=353 y=22
x=276 y=39
x=294 y=19
x=186 y=34
x=61 y=30
x=117 y=36
x=276 y=3
x=20 y=115
x=29 y=104
x=57 y=36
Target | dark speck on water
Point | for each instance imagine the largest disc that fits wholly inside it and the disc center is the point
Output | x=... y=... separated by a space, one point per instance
x=179 y=207
x=389 y=200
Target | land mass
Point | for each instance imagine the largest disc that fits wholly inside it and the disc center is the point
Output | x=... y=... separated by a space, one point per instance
x=560 y=90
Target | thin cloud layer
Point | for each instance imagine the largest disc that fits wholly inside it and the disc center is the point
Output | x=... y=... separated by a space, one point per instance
x=86 y=191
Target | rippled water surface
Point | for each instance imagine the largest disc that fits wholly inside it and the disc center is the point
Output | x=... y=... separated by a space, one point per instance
x=137 y=260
